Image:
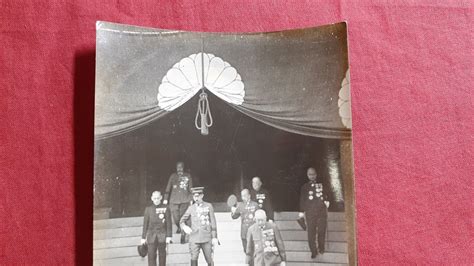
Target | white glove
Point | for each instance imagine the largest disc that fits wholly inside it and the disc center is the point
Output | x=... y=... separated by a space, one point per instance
x=327 y=203
x=215 y=242
x=271 y=221
x=283 y=263
x=186 y=229
x=165 y=202
x=168 y=240
x=233 y=209
x=301 y=215
x=143 y=241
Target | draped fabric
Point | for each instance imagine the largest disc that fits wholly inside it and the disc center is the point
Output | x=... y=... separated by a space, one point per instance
x=294 y=80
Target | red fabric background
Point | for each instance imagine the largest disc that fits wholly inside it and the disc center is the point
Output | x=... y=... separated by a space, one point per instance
x=411 y=74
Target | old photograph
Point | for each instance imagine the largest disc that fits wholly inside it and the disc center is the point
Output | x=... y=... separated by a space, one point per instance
x=223 y=148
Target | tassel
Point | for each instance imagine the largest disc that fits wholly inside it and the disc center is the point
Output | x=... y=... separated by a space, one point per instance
x=204 y=112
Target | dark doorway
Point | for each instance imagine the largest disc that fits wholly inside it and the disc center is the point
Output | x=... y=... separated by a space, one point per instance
x=237 y=148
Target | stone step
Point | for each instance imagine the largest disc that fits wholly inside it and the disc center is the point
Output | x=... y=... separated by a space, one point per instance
x=235 y=225
x=132 y=242
x=333 y=226
x=138 y=261
x=223 y=235
x=220 y=216
x=305 y=256
x=239 y=257
x=292 y=216
x=302 y=235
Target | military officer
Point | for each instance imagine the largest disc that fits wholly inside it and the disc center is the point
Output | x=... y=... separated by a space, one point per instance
x=262 y=197
x=178 y=194
x=203 y=230
x=157 y=230
x=313 y=206
x=246 y=210
x=264 y=242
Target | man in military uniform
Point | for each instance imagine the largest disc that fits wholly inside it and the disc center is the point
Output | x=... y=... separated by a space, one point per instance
x=313 y=206
x=203 y=230
x=157 y=229
x=262 y=197
x=178 y=193
x=246 y=210
x=264 y=242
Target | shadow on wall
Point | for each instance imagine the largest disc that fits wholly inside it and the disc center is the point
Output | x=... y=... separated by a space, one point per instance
x=84 y=76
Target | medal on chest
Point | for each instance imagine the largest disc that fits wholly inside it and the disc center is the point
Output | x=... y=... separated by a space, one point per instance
x=203 y=214
x=316 y=190
x=183 y=182
x=260 y=199
x=250 y=210
x=161 y=214
x=269 y=244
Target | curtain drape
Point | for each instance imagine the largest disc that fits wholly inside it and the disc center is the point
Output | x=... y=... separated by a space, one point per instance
x=290 y=80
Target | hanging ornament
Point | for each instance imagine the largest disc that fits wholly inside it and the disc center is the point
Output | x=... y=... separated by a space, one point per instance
x=203 y=115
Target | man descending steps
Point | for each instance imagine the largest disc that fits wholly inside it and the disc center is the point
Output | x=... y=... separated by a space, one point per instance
x=313 y=206
x=246 y=210
x=178 y=194
x=264 y=242
x=262 y=197
x=156 y=229
x=203 y=230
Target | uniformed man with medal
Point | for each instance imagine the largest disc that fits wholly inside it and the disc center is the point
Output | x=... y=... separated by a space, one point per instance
x=246 y=210
x=313 y=206
x=262 y=197
x=178 y=194
x=264 y=243
x=203 y=230
x=157 y=229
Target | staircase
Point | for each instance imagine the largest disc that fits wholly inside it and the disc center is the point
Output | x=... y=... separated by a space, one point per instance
x=116 y=240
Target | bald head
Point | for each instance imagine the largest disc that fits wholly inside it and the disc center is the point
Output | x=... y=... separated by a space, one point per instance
x=156 y=197
x=245 y=194
x=311 y=173
x=256 y=183
x=260 y=217
x=260 y=214
x=179 y=168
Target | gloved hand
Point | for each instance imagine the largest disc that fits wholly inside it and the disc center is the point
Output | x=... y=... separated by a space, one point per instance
x=327 y=203
x=301 y=215
x=186 y=229
x=143 y=241
x=168 y=240
x=165 y=202
x=215 y=242
x=233 y=209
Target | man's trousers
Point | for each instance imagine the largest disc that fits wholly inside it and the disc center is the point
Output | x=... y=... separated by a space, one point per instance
x=178 y=210
x=316 y=225
x=152 y=249
x=206 y=247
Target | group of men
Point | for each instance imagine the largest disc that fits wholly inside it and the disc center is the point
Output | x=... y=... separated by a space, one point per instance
x=261 y=239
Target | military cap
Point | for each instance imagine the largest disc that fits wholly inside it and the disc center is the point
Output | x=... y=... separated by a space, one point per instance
x=197 y=190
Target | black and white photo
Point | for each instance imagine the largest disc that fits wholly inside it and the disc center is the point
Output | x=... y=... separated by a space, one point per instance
x=223 y=148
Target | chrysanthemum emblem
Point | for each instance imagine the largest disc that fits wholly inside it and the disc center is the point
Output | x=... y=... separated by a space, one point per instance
x=344 y=102
x=184 y=80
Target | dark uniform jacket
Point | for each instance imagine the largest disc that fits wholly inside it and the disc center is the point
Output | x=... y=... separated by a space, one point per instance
x=157 y=224
x=265 y=245
x=178 y=188
x=264 y=201
x=245 y=210
x=312 y=197
x=203 y=222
